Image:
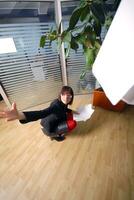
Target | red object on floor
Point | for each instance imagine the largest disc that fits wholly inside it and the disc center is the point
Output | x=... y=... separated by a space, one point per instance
x=101 y=100
x=70 y=122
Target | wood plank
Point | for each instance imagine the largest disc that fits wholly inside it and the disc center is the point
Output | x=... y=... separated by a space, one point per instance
x=96 y=161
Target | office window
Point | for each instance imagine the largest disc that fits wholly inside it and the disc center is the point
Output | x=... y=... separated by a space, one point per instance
x=31 y=75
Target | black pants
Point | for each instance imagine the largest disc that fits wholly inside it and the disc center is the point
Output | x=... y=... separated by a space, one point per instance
x=51 y=127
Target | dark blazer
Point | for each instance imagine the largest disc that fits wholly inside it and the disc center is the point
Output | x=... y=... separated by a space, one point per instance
x=52 y=116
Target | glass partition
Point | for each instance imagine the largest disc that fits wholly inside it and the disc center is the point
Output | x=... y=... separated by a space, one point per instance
x=31 y=75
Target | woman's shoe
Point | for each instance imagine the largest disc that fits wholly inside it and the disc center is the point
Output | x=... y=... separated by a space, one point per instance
x=58 y=138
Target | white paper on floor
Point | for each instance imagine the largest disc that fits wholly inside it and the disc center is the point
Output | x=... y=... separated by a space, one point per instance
x=85 y=113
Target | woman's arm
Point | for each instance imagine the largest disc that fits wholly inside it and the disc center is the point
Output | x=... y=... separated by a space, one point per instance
x=24 y=117
x=75 y=112
x=72 y=111
x=31 y=116
x=12 y=114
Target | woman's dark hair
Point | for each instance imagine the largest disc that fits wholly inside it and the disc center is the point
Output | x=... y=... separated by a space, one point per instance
x=69 y=90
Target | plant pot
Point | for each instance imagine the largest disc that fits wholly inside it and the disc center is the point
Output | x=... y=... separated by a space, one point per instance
x=100 y=99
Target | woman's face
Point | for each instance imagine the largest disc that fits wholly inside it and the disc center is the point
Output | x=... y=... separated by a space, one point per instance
x=66 y=97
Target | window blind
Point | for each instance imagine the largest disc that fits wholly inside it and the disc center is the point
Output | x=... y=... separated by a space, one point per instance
x=32 y=75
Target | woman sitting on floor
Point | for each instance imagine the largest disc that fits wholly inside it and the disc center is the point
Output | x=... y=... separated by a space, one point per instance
x=56 y=120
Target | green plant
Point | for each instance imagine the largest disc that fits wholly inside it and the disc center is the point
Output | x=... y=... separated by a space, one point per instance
x=84 y=29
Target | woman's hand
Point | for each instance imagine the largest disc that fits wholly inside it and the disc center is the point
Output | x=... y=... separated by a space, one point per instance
x=75 y=112
x=12 y=114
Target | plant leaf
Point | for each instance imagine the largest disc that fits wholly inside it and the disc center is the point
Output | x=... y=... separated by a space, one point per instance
x=97 y=28
x=66 y=36
x=97 y=10
x=43 y=40
x=84 y=13
x=87 y=30
x=97 y=44
x=80 y=38
x=90 y=36
x=82 y=75
x=90 y=57
x=67 y=51
x=52 y=36
x=74 y=44
x=75 y=17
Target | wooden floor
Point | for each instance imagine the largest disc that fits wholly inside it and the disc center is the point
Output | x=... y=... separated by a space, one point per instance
x=95 y=162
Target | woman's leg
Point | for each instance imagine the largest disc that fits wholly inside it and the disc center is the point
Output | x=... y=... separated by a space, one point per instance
x=49 y=124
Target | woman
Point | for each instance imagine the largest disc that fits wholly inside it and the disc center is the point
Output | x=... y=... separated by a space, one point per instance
x=57 y=119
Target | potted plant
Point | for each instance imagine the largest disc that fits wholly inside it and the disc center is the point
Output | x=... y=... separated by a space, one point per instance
x=101 y=100
x=84 y=29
